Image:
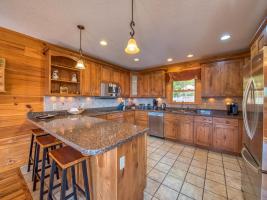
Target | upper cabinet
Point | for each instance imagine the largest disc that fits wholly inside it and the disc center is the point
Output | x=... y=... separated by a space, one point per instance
x=62 y=78
x=260 y=39
x=106 y=74
x=151 y=84
x=91 y=79
x=222 y=79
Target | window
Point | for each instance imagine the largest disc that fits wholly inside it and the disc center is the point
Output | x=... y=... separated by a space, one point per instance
x=183 y=91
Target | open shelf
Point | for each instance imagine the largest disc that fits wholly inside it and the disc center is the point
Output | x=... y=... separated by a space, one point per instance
x=64 y=67
x=63 y=81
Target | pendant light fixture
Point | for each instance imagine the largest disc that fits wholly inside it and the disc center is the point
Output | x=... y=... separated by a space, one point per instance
x=132 y=47
x=80 y=62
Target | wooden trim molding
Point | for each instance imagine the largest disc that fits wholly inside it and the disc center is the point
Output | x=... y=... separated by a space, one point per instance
x=259 y=31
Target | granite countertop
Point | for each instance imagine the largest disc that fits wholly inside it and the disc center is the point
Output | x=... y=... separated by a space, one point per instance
x=89 y=135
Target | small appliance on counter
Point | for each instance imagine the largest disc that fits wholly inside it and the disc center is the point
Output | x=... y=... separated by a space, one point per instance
x=163 y=106
x=232 y=109
x=155 y=104
x=148 y=106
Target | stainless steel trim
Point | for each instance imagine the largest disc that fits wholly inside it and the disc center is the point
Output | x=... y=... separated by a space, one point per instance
x=245 y=152
x=244 y=108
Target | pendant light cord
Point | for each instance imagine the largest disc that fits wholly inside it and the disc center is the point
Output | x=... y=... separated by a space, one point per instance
x=80 y=42
x=132 y=23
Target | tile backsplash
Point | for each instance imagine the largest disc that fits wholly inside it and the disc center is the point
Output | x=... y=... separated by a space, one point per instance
x=64 y=103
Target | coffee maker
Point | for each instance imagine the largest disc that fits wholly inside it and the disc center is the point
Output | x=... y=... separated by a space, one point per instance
x=232 y=109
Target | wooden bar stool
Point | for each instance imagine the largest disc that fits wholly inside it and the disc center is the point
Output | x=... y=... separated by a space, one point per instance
x=35 y=133
x=44 y=142
x=67 y=157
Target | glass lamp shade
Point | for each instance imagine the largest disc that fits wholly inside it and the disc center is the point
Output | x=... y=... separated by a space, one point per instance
x=132 y=47
x=80 y=64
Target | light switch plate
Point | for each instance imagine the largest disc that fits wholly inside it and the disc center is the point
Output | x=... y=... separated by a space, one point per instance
x=122 y=162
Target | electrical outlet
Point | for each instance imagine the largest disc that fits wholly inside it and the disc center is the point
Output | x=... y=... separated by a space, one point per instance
x=122 y=162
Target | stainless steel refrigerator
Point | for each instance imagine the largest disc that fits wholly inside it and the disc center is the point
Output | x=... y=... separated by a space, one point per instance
x=254 y=151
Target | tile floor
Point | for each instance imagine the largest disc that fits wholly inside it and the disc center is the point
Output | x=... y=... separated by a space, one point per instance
x=181 y=172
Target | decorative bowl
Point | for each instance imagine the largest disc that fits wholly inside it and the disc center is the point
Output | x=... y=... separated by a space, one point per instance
x=75 y=111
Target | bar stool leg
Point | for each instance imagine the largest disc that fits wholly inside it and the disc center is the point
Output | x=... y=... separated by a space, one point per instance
x=34 y=158
x=63 y=184
x=85 y=180
x=30 y=154
x=51 y=181
x=74 y=182
x=36 y=167
x=43 y=174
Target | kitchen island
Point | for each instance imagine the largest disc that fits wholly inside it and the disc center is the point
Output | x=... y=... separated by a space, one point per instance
x=116 y=153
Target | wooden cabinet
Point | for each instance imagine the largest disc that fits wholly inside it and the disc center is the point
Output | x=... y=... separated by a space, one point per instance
x=129 y=117
x=125 y=84
x=106 y=74
x=222 y=79
x=151 y=84
x=116 y=77
x=141 y=118
x=226 y=134
x=203 y=131
x=170 y=129
x=185 y=128
x=91 y=79
x=118 y=117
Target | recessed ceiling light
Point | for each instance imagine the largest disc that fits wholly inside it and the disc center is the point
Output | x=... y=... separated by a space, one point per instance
x=225 y=37
x=136 y=59
x=169 y=59
x=103 y=43
x=190 y=55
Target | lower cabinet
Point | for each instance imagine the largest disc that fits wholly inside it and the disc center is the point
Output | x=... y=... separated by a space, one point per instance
x=185 y=129
x=141 y=118
x=170 y=128
x=129 y=117
x=203 y=131
x=225 y=135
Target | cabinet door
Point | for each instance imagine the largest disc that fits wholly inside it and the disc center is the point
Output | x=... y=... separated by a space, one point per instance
x=225 y=137
x=202 y=134
x=116 y=77
x=157 y=84
x=86 y=90
x=125 y=84
x=143 y=85
x=210 y=77
x=231 y=78
x=170 y=129
x=95 y=79
x=185 y=131
x=106 y=74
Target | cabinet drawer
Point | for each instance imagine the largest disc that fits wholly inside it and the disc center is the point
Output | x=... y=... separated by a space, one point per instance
x=101 y=116
x=114 y=116
x=170 y=117
x=203 y=119
x=142 y=115
x=185 y=117
x=226 y=121
x=128 y=113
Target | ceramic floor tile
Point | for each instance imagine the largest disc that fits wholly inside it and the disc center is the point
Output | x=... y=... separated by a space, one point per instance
x=151 y=162
x=189 y=149
x=215 y=155
x=234 y=194
x=219 y=178
x=183 y=197
x=215 y=162
x=197 y=171
x=147 y=196
x=187 y=154
x=195 y=180
x=192 y=191
x=173 y=182
x=156 y=175
x=155 y=156
x=165 y=193
x=215 y=187
x=184 y=159
x=178 y=173
x=151 y=186
x=233 y=182
x=167 y=161
x=181 y=165
x=160 y=152
x=231 y=166
x=211 y=196
x=233 y=174
x=199 y=164
x=163 y=167
x=215 y=168
x=200 y=158
x=171 y=155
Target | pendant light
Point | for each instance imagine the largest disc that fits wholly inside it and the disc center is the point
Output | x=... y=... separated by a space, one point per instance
x=80 y=62
x=132 y=47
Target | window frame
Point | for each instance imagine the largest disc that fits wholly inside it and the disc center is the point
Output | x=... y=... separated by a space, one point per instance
x=185 y=102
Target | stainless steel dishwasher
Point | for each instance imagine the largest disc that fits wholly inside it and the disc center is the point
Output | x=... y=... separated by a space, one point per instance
x=155 y=122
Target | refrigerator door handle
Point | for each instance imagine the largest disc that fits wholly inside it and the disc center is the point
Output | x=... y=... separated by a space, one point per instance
x=245 y=152
x=249 y=131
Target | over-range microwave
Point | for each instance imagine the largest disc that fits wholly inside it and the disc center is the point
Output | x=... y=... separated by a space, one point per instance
x=110 y=90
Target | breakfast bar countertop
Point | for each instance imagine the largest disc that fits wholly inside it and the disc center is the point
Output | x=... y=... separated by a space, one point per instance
x=89 y=135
